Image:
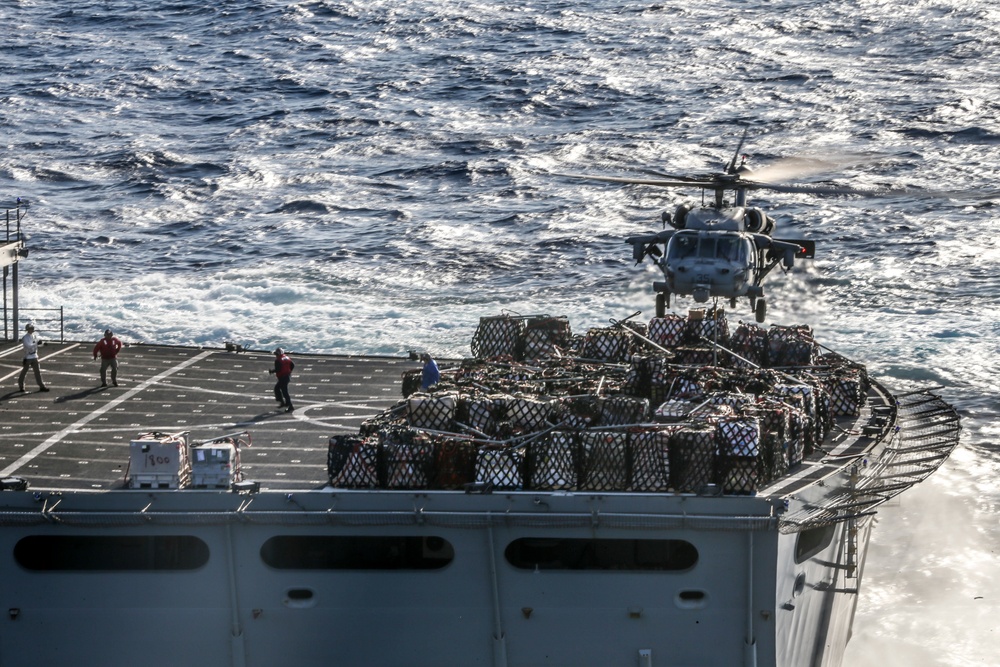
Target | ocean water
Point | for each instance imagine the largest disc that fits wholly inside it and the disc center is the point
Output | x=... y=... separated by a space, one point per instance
x=372 y=177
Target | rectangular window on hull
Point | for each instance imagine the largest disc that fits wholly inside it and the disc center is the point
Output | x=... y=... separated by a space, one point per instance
x=531 y=553
x=111 y=552
x=356 y=552
x=812 y=541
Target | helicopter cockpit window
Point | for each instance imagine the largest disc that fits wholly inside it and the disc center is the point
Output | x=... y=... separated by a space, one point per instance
x=728 y=248
x=683 y=245
x=706 y=248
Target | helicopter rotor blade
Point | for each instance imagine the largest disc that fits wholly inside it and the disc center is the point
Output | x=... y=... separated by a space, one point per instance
x=828 y=189
x=676 y=177
x=657 y=182
x=966 y=197
x=720 y=184
x=792 y=168
x=736 y=155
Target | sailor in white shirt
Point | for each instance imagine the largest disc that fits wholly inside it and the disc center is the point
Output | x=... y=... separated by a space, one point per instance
x=30 y=346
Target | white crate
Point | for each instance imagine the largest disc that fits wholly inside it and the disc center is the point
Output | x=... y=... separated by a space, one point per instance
x=214 y=465
x=159 y=461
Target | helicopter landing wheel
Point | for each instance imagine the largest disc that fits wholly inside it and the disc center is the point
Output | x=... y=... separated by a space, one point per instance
x=732 y=303
x=661 y=304
x=760 y=310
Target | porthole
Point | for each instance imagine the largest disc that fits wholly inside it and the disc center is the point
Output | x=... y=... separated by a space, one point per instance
x=299 y=598
x=799 y=585
x=691 y=599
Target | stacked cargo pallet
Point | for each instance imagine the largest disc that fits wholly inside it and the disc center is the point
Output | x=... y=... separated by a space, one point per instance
x=675 y=405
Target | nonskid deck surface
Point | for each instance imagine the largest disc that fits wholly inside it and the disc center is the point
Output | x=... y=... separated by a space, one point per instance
x=76 y=435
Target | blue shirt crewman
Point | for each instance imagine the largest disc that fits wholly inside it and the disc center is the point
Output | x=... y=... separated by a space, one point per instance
x=430 y=376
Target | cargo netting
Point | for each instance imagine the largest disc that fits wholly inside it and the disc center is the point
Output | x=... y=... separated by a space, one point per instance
x=658 y=407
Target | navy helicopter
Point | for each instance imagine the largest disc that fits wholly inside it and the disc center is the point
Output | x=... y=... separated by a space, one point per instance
x=724 y=249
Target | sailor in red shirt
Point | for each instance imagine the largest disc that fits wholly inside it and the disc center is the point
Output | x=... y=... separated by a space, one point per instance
x=283 y=366
x=108 y=347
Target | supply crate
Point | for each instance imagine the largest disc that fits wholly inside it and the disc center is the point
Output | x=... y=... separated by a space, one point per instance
x=159 y=461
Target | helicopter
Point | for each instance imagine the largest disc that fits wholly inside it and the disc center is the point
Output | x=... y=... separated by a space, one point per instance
x=724 y=249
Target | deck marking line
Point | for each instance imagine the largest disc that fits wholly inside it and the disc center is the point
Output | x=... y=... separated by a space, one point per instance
x=40 y=359
x=9 y=470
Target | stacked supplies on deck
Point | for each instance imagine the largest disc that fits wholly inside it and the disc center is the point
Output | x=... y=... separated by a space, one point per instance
x=651 y=459
x=604 y=461
x=411 y=381
x=791 y=346
x=814 y=403
x=454 y=462
x=707 y=326
x=553 y=462
x=798 y=428
x=480 y=413
x=846 y=384
x=354 y=462
x=612 y=345
x=709 y=413
x=408 y=457
x=565 y=421
x=647 y=376
x=774 y=418
x=497 y=337
x=750 y=342
x=501 y=468
x=684 y=384
x=577 y=412
x=698 y=355
x=846 y=394
x=740 y=464
x=620 y=410
x=527 y=414
x=738 y=401
x=545 y=337
x=700 y=410
x=432 y=411
x=692 y=457
x=667 y=331
x=674 y=410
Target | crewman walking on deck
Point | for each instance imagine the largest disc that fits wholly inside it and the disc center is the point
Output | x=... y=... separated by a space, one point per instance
x=108 y=347
x=283 y=366
x=30 y=345
x=430 y=375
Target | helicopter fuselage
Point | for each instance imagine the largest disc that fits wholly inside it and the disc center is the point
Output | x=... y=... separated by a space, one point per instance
x=711 y=255
x=716 y=252
x=708 y=264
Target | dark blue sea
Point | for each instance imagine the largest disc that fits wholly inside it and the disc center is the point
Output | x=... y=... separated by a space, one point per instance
x=373 y=176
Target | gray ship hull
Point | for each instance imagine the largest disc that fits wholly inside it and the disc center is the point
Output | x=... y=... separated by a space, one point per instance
x=240 y=606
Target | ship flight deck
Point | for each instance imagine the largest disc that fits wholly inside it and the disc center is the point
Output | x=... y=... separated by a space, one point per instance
x=76 y=435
